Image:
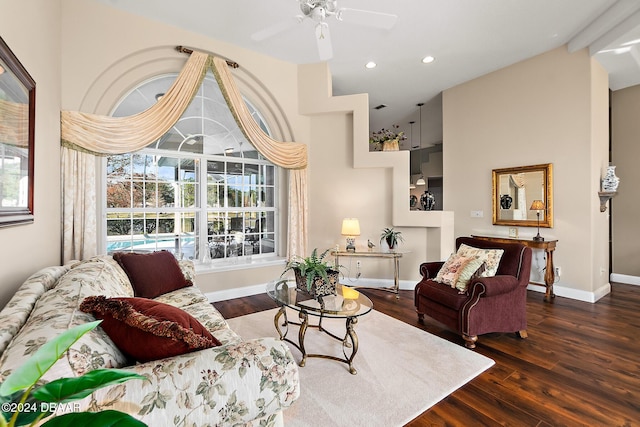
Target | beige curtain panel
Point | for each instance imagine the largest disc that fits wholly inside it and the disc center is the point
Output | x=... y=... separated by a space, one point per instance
x=79 y=205
x=104 y=135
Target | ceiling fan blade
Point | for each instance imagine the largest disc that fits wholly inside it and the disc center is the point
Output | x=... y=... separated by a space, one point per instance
x=367 y=18
x=276 y=29
x=323 y=38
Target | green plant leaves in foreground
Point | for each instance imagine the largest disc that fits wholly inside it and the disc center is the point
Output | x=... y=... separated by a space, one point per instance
x=68 y=389
x=107 y=418
x=28 y=373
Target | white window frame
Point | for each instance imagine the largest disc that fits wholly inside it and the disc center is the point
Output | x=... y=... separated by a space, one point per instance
x=216 y=264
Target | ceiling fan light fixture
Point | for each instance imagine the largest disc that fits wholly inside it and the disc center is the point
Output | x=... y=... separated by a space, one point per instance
x=371 y=65
x=323 y=41
x=319 y=11
x=428 y=59
x=318 y=14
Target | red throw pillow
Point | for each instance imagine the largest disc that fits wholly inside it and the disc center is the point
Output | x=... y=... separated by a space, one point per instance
x=152 y=274
x=147 y=330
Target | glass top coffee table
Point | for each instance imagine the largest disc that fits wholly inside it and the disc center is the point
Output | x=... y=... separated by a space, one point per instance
x=348 y=304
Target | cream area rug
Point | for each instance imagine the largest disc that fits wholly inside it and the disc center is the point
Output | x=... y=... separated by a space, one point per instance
x=401 y=371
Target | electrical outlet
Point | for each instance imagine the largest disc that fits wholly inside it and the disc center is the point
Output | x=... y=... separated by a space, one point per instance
x=558 y=272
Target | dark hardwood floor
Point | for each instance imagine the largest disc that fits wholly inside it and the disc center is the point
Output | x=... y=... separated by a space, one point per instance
x=579 y=366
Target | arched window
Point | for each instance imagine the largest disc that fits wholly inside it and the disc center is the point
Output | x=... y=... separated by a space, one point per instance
x=201 y=191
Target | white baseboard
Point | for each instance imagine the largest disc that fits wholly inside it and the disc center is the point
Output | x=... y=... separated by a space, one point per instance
x=407 y=285
x=624 y=278
x=559 y=290
x=577 y=294
x=246 y=291
x=236 y=292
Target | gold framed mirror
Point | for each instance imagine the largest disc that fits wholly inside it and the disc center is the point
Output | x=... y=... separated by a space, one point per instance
x=17 y=126
x=514 y=193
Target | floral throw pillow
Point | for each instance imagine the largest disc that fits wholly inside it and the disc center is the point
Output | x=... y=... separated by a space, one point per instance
x=451 y=270
x=491 y=257
x=473 y=269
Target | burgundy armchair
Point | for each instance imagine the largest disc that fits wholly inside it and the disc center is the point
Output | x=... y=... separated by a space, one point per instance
x=490 y=304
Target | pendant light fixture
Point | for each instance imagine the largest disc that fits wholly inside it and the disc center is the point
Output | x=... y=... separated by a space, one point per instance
x=421 y=180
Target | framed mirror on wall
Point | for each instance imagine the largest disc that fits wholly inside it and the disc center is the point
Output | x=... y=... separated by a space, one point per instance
x=520 y=193
x=17 y=124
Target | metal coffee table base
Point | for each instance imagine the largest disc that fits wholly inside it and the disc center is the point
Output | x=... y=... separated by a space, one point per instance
x=350 y=339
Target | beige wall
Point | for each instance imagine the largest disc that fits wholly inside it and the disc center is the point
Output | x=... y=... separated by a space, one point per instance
x=548 y=109
x=625 y=106
x=543 y=110
x=347 y=180
x=106 y=52
x=32 y=31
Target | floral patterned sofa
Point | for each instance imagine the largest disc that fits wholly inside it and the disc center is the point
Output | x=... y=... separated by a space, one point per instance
x=240 y=382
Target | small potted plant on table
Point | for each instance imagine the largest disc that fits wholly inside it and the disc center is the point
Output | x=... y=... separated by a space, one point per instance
x=391 y=237
x=314 y=275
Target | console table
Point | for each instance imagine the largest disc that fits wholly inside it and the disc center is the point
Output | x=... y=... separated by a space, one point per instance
x=395 y=256
x=547 y=245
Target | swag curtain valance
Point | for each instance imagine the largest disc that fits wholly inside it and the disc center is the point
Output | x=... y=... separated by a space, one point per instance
x=87 y=135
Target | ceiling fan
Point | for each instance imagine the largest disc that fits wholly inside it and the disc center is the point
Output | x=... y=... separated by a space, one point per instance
x=319 y=11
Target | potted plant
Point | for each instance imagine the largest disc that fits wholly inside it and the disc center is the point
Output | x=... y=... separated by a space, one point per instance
x=313 y=274
x=387 y=139
x=391 y=237
x=25 y=402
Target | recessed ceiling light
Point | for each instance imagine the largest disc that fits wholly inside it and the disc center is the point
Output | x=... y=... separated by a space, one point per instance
x=371 y=64
x=428 y=59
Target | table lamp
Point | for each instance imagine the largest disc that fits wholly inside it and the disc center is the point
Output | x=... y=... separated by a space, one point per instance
x=538 y=205
x=350 y=229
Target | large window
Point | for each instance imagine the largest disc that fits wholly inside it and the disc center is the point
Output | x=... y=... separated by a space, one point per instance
x=201 y=191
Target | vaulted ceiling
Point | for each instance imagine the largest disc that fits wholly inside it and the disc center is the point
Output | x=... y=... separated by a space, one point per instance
x=467 y=38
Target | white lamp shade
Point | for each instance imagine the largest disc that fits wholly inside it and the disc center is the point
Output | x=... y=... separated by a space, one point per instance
x=421 y=181
x=350 y=227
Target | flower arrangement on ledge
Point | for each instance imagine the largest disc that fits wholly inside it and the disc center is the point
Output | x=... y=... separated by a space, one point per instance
x=387 y=139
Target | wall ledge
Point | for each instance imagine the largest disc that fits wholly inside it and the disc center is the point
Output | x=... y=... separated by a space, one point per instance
x=318 y=99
